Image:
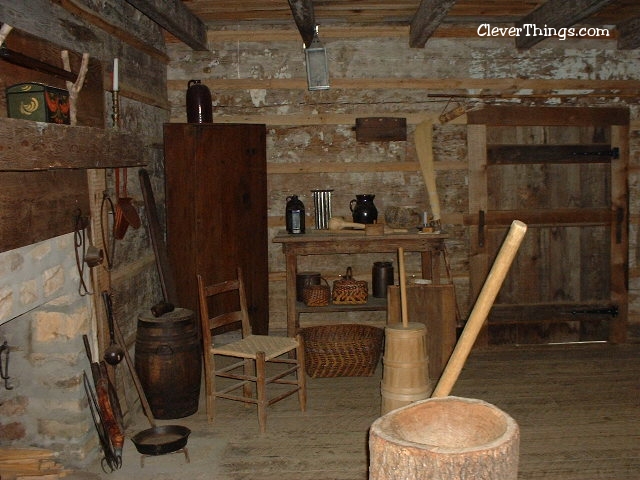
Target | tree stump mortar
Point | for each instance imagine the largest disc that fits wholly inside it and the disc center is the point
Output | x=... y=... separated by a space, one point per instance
x=446 y=438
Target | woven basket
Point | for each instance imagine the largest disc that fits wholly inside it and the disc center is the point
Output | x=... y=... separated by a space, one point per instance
x=316 y=295
x=348 y=291
x=343 y=350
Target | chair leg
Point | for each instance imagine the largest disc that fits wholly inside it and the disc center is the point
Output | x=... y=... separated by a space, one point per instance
x=301 y=375
x=261 y=391
x=249 y=371
x=210 y=387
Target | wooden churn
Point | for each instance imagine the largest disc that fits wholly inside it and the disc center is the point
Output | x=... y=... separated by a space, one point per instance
x=448 y=437
x=405 y=374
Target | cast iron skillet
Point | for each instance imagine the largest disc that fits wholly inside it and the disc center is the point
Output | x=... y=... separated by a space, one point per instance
x=161 y=439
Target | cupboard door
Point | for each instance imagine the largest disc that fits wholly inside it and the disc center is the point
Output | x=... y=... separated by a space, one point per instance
x=224 y=219
x=567 y=283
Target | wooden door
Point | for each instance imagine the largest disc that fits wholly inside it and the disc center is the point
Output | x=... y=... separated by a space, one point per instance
x=563 y=174
x=216 y=191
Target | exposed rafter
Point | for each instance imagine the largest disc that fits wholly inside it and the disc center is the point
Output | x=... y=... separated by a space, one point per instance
x=426 y=20
x=555 y=14
x=305 y=18
x=177 y=19
x=629 y=34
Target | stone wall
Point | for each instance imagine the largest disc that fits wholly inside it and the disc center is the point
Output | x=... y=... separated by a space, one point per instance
x=42 y=322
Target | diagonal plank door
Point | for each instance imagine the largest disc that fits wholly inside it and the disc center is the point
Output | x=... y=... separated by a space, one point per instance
x=564 y=174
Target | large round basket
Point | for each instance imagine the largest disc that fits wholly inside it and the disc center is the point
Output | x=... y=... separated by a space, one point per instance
x=342 y=350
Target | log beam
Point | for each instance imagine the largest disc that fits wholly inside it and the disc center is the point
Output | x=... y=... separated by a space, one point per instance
x=629 y=34
x=555 y=14
x=177 y=19
x=305 y=19
x=426 y=20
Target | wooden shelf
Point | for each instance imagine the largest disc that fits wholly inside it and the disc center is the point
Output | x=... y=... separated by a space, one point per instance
x=373 y=304
x=33 y=146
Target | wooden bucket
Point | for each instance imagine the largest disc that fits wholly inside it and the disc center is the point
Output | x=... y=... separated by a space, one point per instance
x=405 y=377
x=449 y=437
x=169 y=363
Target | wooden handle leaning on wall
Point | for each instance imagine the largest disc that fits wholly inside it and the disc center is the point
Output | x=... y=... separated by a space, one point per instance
x=403 y=288
x=481 y=308
x=424 y=149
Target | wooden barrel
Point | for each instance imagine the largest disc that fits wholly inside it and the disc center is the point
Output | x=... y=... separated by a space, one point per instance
x=405 y=374
x=169 y=363
x=446 y=437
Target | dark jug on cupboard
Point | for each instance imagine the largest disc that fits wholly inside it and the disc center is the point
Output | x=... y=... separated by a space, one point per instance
x=363 y=209
x=199 y=109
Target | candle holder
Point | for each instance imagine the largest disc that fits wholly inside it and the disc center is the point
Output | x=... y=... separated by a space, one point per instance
x=116 y=109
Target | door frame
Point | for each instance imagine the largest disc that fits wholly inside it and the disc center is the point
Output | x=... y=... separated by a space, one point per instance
x=617 y=119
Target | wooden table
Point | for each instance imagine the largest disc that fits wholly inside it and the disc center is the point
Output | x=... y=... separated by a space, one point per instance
x=323 y=242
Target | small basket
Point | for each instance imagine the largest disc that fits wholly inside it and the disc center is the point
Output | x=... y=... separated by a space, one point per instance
x=348 y=291
x=316 y=295
x=342 y=350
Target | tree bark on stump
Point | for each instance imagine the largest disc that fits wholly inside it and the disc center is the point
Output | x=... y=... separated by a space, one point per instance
x=447 y=438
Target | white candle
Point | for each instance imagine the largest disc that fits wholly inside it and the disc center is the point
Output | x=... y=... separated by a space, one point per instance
x=115 y=74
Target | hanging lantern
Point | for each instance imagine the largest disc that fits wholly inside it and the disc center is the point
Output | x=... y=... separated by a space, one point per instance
x=317 y=65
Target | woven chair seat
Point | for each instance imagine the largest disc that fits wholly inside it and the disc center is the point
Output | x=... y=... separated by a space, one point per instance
x=248 y=347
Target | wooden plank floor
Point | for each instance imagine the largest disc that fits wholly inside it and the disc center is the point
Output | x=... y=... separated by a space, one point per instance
x=577 y=407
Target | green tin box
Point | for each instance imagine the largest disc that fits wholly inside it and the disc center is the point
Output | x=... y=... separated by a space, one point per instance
x=38 y=102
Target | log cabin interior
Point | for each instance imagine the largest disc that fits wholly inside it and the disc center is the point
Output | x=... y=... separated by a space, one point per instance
x=459 y=117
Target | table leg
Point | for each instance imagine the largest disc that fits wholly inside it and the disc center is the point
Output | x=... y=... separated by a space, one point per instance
x=291 y=261
x=431 y=265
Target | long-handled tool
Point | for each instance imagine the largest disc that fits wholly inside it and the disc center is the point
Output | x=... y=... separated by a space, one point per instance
x=481 y=308
x=156 y=440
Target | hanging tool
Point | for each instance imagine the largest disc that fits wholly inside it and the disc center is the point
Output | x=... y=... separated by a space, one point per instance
x=114 y=353
x=108 y=240
x=126 y=213
x=110 y=460
x=108 y=407
x=167 y=282
x=4 y=371
x=81 y=222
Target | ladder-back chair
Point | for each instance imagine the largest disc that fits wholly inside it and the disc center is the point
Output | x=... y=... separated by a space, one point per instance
x=263 y=359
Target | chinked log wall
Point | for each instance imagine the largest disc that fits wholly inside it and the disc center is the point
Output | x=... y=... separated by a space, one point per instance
x=258 y=76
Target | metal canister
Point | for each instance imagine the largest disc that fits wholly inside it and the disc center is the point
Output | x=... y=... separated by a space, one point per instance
x=322 y=205
x=381 y=277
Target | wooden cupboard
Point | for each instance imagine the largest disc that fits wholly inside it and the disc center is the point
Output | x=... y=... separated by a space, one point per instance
x=216 y=195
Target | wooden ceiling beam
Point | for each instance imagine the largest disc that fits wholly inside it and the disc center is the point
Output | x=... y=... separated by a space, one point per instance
x=629 y=34
x=305 y=18
x=426 y=20
x=555 y=14
x=177 y=19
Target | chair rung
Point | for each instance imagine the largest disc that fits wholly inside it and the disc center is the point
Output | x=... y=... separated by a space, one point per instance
x=235 y=386
x=236 y=376
x=278 y=375
x=283 y=395
x=237 y=398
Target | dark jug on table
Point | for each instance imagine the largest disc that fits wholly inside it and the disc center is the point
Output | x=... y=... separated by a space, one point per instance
x=363 y=210
x=294 y=215
x=199 y=109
